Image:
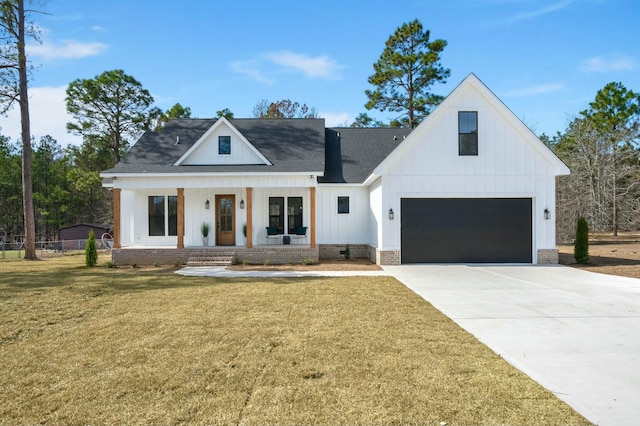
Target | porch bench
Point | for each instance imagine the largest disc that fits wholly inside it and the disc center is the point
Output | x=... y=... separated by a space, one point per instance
x=272 y=235
x=300 y=235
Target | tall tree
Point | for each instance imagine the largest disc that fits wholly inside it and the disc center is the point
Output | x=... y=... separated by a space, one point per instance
x=110 y=109
x=158 y=119
x=408 y=66
x=226 y=113
x=615 y=113
x=284 y=108
x=363 y=120
x=14 y=29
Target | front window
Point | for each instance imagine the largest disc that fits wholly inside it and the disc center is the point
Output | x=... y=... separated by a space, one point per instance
x=224 y=145
x=343 y=205
x=276 y=213
x=158 y=216
x=173 y=215
x=468 y=133
x=294 y=214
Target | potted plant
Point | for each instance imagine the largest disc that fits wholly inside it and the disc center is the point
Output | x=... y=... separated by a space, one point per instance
x=205 y=233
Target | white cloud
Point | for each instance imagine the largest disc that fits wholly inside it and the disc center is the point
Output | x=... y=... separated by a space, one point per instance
x=250 y=68
x=535 y=90
x=313 y=67
x=69 y=49
x=607 y=64
x=336 y=119
x=48 y=116
x=531 y=14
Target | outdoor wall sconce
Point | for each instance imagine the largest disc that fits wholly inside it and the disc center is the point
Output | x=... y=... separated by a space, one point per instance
x=242 y=204
x=391 y=215
x=547 y=214
x=207 y=204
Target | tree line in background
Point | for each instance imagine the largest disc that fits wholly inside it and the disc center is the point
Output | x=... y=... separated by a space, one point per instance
x=111 y=110
x=601 y=147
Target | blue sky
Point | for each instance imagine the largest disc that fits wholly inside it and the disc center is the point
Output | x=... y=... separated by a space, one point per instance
x=545 y=59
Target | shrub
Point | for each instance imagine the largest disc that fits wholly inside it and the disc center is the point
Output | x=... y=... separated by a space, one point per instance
x=347 y=252
x=109 y=264
x=90 y=251
x=581 y=246
x=308 y=261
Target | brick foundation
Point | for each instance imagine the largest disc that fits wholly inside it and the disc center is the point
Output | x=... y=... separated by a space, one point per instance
x=333 y=251
x=548 y=256
x=256 y=255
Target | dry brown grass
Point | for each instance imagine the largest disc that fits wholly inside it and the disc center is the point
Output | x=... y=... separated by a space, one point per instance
x=132 y=346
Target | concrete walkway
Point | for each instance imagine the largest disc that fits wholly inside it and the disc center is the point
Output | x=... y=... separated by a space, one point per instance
x=576 y=333
x=221 y=271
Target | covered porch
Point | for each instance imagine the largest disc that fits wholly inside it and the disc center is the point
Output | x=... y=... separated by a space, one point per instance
x=254 y=225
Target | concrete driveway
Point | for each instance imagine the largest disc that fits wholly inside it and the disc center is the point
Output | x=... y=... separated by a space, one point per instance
x=576 y=333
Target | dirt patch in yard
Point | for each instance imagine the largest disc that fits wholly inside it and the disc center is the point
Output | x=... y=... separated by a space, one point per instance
x=608 y=255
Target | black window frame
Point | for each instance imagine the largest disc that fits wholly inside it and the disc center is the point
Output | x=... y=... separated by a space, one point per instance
x=276 y=213
x=467 y=139
x=226 y=143
x=294 y=214
x=343 y=204
x=162 y=212
x=155 y=211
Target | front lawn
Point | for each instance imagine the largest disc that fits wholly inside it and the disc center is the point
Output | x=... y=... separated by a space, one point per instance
x=130 y=346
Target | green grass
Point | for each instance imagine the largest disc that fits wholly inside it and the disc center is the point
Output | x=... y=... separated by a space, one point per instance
x=145 y=346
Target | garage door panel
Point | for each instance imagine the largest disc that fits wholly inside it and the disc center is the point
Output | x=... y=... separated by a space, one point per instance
x=462 y=230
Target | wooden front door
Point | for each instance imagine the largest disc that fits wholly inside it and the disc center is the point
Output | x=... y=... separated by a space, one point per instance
x=225 y=220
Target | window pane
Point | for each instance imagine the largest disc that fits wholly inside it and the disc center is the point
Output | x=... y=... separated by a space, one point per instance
x=276 y=213
x=156 y=216
x=468 y=133
x=294 y=213
x=173 y=214
x=224 y=145
x=343 y=205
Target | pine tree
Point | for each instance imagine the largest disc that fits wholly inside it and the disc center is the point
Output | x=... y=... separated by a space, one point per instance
x=90 y=251
x=581 y=247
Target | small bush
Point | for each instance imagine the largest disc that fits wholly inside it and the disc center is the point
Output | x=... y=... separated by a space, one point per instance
x=267 y=262
x=347 y=252
x=308 y=261
x=177 y=263
x=109 y=264
x=245 y=262
x=134 y=265
x=90 y=251
x=581 y=246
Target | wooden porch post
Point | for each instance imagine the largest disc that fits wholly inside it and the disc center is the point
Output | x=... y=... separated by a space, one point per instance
x=180 y=218
x=312 y=199
x=249 y=239
x=116 y=217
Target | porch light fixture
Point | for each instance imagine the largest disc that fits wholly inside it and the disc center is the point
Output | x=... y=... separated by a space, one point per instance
x=242 y=204
x=547 y=214
x=391 y=215
x=207 y=204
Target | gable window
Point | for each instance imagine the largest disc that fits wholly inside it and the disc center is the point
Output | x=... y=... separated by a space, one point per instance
x=224 y=145
x=294 y=214
x=343 y=205
x=467 y=132
x=163 y=221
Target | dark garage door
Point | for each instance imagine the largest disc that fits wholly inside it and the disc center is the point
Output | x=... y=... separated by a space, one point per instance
x=466 y=230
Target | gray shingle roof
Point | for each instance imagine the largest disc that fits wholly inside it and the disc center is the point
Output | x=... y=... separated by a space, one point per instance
x=360 y=150
x=291 y=145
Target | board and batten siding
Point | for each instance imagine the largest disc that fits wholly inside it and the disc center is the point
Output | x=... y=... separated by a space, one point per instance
x=342 y=228
x=207 y=152
x=509 y=164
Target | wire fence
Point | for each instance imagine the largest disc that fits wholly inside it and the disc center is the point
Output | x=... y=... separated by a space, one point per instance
x=15 y=249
